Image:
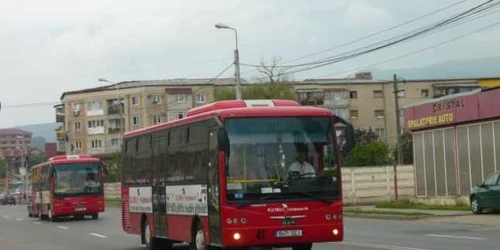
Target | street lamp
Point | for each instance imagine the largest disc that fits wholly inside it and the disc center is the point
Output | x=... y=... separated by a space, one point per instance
x=236 y=58
x=122 y=122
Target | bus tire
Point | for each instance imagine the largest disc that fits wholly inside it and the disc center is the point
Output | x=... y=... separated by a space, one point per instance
x=95 y=216
x=147 y=237
x=303 y=246
x=50 y=216
x=197 y=237
x=40 y=215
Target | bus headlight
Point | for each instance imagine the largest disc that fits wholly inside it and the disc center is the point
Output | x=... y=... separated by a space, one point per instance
x=335 y=232
x=236 y=236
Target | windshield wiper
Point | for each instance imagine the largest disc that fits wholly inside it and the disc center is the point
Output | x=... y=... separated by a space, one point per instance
x=327 y=201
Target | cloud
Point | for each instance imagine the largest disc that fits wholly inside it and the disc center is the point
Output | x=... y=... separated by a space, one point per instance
x=52 y=46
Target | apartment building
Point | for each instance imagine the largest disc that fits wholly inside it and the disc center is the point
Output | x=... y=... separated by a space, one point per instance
x=14 y=142
x=14 y=147
x=95 y=119
x=370 y=103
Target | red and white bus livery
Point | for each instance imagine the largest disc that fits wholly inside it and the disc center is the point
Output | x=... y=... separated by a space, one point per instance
x=233 y=174
x=67 y=185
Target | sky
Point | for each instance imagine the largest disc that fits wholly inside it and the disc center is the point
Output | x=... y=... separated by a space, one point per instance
x=51 y=46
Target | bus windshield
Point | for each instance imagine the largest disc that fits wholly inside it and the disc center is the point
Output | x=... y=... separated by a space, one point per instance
x=289 y=158
x=77 y=179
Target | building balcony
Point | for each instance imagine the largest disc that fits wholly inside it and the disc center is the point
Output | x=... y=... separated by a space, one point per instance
x=115 y=130
x=115 y=110
x=61 y=135
x=61 y=146
x=334 y=103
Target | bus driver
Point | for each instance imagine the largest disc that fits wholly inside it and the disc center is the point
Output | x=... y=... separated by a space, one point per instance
x=301 y=165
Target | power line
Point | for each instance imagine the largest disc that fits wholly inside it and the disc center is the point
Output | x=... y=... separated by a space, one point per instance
x=436 y=27
x=433 y=29
x=398 y=39
x=415 y=52
x=372 y=34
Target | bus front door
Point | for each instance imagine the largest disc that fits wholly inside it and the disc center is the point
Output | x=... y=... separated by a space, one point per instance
x=159 y=190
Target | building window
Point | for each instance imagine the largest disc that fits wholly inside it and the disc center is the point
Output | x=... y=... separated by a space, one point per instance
x=424 y=93
x=156 y=119
x=156 y=99
x=135 y=100
x=201 y=98
x=135 y=121
x=379 y=113
x=353 y=94
x=78 y=145
x=94 y=106
x=175 y=115
x=115 y=142
x=78 y=125
x=76 y=108
x=378 y=94
x=354 y=113
x=180 y=98
x=380 y=132
x=96 y=144
x=95 y=124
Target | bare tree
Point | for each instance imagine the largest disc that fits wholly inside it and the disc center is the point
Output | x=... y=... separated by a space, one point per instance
x=271 y=71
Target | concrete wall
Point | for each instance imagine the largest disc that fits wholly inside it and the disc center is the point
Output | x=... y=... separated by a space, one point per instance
x=368 y=185
x=361 y=185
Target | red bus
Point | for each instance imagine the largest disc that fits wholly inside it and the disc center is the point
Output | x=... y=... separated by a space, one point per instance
x=263 y=173
x=67 y=185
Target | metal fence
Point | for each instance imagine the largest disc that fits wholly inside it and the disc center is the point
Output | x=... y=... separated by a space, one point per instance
x=450 y=161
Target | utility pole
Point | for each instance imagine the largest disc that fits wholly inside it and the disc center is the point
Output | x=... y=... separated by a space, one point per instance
x=398 y=121
x=236 y=58
x=237 y=71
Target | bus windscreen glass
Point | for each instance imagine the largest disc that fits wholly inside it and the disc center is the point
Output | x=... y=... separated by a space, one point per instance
x=289 y=158
x=77 y=179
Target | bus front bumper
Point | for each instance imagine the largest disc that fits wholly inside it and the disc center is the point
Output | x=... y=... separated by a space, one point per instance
x=282 y=236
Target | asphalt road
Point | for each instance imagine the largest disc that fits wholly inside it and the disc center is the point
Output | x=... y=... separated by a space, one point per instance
x=18 y=232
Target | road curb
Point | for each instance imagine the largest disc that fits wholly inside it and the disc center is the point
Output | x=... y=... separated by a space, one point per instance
x=387 y=216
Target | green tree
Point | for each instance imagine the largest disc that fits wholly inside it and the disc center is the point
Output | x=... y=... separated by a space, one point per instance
x=254 y=91
x=374 y=153
x=33 y=160
x=112 y=168
x=407 y=148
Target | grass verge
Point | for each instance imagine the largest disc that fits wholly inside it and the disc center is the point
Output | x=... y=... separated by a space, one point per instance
x=384 y=212
x=407 y=205
x=114 y=202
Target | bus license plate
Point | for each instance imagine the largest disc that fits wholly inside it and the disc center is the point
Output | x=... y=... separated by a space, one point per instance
x=80 y=209
x=288 y=233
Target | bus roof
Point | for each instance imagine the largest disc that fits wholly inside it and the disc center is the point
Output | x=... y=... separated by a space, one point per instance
x=227 y=111
x=69 y=159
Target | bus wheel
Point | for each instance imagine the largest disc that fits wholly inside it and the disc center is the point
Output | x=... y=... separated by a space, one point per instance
x=95 y=216
x=304 y=246
x=147 y=238
x=50 y=217
x=40 y=215
x=198 y=238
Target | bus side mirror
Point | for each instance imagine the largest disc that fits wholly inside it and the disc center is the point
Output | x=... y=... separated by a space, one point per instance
x=350 y=140
x=223 y=140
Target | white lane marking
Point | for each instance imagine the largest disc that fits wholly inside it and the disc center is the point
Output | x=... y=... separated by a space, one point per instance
x=62 y=227
x=99 y=235
x=37 y=222
x=379 y=246
x=19 y=219
x=5 y=217
x=455 y=237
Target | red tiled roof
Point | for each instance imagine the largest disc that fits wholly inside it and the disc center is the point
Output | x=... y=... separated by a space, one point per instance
x=13 y=131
